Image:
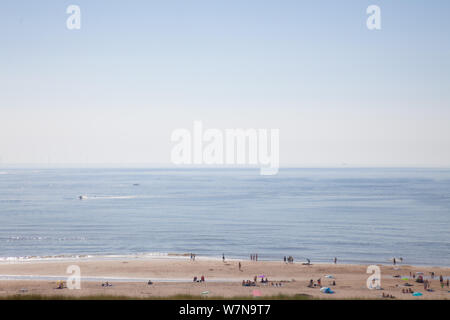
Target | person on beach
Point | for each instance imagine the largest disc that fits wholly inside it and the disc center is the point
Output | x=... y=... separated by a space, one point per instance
x=203 y=279
x=239 y=266
x=223 y=257
x=394 y=261
x=256 y=257
x=335 y=260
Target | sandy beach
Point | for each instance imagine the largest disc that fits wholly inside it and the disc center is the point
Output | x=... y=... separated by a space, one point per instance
x=172 y=277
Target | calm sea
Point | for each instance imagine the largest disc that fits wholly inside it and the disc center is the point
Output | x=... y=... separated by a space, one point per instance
x=357 y=215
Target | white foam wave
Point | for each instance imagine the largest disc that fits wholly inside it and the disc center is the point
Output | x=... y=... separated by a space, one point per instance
x=83 y=197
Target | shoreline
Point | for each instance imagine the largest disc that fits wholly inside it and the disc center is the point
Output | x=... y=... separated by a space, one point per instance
x=173 y=277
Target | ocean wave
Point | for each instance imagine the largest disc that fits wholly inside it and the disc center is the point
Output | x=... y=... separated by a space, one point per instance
x=70 y=257
x=108 y=257
x=83 y=197
x=42 y=238
x=87 y=197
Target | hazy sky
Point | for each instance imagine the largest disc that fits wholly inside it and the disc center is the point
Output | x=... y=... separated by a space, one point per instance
x=114 y=91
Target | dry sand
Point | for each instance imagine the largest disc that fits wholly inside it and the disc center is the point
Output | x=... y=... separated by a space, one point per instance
x=174 y=276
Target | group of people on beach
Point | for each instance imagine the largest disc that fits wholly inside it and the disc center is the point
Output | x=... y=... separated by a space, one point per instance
x=318 y=283
x=192 y=257
x=408 y=290
x=441 y=281
x=254 y=257
x=420 y=278
x=248 y=283
x=426 y=283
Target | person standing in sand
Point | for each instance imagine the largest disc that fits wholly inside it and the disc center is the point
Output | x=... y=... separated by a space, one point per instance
x=240 y=266
x=223 y=257
x=335 y=260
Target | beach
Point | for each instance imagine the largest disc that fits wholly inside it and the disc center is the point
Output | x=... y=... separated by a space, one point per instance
x=174 y=276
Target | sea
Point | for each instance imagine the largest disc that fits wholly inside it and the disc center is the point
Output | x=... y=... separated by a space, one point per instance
x=359 y=215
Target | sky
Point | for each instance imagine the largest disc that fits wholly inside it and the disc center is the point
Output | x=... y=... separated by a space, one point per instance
x=114 y=91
